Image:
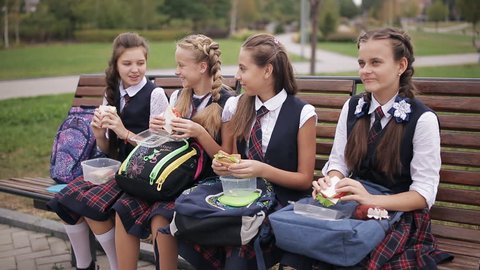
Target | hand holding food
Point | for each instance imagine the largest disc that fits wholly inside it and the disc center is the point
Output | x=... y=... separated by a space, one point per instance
x=329 y=197
x=107 y=108
x=170 y=114
x=226 y=159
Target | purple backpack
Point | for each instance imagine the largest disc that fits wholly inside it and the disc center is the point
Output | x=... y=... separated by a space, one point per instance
x=73 y=143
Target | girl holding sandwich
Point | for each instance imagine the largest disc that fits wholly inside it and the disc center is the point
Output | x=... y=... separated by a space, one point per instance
x=284 y=154
x=200 y=105
x=83 y=205
x=388 y=137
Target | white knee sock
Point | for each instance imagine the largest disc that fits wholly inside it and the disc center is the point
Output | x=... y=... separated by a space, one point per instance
x=107 y=241
x=79 y=238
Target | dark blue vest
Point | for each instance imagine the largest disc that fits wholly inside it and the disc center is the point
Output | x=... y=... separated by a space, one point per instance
x=136 y=116
x=282 y=150
x=401 y=181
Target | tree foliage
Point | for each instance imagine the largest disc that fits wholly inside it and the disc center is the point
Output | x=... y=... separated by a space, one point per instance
x=470 y=10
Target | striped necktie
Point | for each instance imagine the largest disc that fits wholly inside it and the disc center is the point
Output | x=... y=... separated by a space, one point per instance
x=377 y=125
x=255 y=149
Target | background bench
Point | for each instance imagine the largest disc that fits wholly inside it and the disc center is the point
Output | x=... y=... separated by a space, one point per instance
x=456 y=214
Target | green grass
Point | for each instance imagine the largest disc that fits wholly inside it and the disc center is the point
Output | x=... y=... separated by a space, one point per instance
x=60 y=59
x=28 y=128
x=425 y=44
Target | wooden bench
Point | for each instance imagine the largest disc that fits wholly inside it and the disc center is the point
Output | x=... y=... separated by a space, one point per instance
x=456 y=213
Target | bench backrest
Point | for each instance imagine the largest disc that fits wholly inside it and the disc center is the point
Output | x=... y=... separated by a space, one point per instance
x=457 y=103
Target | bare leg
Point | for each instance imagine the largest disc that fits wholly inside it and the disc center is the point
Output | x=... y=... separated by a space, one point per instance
x=167 y=245
x=127 y=246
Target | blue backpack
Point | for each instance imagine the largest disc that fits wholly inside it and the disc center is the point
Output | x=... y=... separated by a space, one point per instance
x=343 y=242
x=201 y=218
x=74 y=142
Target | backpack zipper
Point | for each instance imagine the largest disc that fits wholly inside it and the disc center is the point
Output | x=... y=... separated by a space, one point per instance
x=172 y=166
x=168 y=157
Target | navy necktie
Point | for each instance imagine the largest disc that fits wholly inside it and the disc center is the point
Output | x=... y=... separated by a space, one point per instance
x=377 y=125
x=255 y=149
x=196 y=103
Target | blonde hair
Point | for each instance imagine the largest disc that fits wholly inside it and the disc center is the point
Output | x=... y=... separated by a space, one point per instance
x=206 y=50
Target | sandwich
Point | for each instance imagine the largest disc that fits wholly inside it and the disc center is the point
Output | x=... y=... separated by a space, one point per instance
x=226 y=159
x=329 y=197
x=170 y=114
x=107 y=108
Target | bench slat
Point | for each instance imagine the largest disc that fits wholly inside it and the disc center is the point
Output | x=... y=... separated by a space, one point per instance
x=92 y=80
x=454 y=87
x=457 y=139
x=469 y=178
x=461 y=158
x=456 y=233
x=470 y=197
x=311 y=85
x=91 y=91
x=444 y=104
x=459 y=122
x=458 y=215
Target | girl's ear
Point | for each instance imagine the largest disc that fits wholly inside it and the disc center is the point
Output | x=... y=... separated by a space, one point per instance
x=403 y=64
x=203 y=67
x=268 y=71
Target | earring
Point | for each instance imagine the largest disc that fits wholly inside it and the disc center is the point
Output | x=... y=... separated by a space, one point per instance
x=399 y=74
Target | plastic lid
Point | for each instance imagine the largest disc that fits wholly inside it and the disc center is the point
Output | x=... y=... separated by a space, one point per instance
x=151 y=138
x=240 y=200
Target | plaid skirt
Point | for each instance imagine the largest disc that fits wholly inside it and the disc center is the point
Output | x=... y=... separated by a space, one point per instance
x=83 y=199
x=136 y=214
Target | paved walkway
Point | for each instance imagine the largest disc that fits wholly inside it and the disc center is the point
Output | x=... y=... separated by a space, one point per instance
x=31 y=243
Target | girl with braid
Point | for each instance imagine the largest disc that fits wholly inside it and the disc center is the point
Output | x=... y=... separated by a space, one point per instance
x=83 y=205
x=388 y=137
x=200 y=104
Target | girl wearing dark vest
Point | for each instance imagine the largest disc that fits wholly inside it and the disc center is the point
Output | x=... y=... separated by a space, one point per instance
x=398 y=149
x=82 y=204
x=200 y=103
x=286 y=149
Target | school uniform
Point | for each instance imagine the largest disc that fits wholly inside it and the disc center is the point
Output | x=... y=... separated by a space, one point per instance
x=135 y=213
x=82 y=198
x=280 y=127
x=419 y=176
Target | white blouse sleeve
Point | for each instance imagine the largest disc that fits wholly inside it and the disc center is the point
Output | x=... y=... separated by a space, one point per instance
x=336 y=160
x=230 y=108
x=307 y=112
x=426 y=161
x=158 y=101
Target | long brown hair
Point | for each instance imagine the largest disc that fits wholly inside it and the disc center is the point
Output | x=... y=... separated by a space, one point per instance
x=387 y=160
x=206 y=50
x=265 y=49
x=121 y=43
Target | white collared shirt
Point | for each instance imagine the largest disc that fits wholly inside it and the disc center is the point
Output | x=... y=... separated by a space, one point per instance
x=426 y=161
x=268 y=121
x=158 y=99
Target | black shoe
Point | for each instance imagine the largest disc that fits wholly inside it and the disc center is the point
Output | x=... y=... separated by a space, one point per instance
x=92 y=266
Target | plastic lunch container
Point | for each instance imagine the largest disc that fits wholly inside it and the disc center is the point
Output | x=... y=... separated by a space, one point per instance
x=238 y=187
x=100 y=170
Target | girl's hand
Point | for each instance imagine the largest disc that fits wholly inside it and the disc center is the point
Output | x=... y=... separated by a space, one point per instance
x=112 y=121
x=157 y=122
x=247 y=168
x=96 y=124
x=356 y=191
x=321 y=184
x=219 y=168
x=186 y=128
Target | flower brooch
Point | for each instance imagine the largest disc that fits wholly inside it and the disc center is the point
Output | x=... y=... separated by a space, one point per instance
x=400 y=110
